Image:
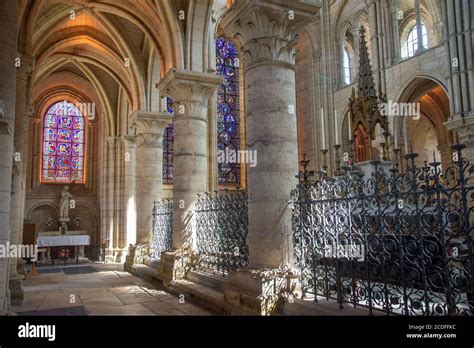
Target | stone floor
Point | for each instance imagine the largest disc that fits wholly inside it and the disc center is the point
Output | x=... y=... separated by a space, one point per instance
x=99 y=289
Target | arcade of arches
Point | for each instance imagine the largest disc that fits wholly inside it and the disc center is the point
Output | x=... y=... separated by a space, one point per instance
x=129 y=102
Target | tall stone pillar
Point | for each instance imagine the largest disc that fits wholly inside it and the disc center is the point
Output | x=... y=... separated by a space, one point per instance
x=127 y=160
x=190 y=92
x=267 y=35
x=395 y=6
x=8 y=53
x=149 y=164
x=18 y=184
x=419 y=31
x=458 y=39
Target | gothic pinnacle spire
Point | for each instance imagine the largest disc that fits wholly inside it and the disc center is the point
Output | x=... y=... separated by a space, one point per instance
x=366 y=76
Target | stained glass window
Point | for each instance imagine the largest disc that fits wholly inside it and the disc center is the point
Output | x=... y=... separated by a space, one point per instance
x=168 y=150
x=228 y=111
x=63 y=145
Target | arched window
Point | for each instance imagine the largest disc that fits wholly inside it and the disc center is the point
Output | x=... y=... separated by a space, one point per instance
x=410 y=47
x=228 y=113
x=346 y=62
x=63 y=145
x=168 y=149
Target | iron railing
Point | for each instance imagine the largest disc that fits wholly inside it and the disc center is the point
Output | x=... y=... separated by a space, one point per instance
x=162 y=227
x=399 y=242
x=221 y=231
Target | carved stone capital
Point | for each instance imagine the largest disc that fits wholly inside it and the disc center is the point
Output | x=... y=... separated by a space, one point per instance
x=130 y=141
x=268 y=30
x=112 y=140
x=190 y=91
x=5 y=123
x=150 y=122
x=150 y=140
x=25 y=70
x=464 y=126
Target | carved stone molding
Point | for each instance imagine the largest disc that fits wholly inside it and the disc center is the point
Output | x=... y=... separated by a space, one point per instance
x=464 y=126
x=150 y=140
x=130 y=141
x=112 y=140
x=150 y=122
x=5 y=123
x=267 y=31
x=190 y=91
x=25 y=70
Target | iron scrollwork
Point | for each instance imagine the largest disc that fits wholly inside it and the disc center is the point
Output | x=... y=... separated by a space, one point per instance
x=398 y=242
x=221 y=231
x=162 y=227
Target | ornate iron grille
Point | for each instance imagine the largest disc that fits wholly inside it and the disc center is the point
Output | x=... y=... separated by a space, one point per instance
x=222 y=221
x=400 y=242
x=162 y=227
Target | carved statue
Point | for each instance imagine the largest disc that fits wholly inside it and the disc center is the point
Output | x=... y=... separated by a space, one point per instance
x=64 y=204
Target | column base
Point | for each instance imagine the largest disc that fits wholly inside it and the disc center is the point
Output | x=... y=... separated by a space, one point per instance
x=262 y=291
x=21 y=267
x=136 y=255
x=16 y=290
x=175 y=265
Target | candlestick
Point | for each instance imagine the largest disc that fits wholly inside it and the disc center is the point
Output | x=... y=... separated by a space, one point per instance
x=395 y=134
x=324 y=167
x=350 y=126
x=337 y=171
x=323 y=134
x=406 y=138
x=336 y=128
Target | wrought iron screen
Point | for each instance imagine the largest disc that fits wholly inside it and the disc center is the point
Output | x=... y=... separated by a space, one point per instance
x=222 y=221
x=162 y=227
x=400 y=242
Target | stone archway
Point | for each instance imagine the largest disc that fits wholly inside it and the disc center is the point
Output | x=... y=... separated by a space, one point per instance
x=427 y=134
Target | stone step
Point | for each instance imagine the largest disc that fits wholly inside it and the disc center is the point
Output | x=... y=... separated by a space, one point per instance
x=144 y=272
x=213 y=281
x=207 y=297
x=322 y=308
x=150 y=262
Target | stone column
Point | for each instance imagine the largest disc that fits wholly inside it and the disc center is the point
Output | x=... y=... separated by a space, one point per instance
x=458 y=38
x=395 y=4
x=16 y=213
x=190 y=92
x=149 y=164
x=128 y=233
x=419 y=31
x=267 y=34
x=8 y=53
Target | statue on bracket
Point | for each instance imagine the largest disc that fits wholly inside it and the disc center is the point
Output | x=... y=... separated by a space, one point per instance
x=64 y=206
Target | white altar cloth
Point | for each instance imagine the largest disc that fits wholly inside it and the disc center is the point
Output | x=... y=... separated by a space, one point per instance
x=50 y=241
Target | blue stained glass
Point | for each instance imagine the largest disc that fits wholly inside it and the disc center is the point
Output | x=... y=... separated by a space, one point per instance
x=63 y=144
x=170 y=105
x=228 y=116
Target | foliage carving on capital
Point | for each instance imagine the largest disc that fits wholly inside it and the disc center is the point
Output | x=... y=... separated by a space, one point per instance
x=149 y=122
x=150 y=140
x=25 y=70
x=464 y=126
x=5 y=122
x=189 y=90
x=266 y=33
